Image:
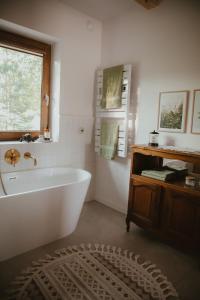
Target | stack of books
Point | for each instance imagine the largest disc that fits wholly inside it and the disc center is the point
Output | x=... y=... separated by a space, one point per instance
x=178 y=170
x=179 y=167
x=164 y=175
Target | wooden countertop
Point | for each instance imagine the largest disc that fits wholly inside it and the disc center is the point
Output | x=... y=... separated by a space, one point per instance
x=188 y=155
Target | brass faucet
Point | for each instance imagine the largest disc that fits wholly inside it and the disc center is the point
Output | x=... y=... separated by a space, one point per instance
x=28 y=155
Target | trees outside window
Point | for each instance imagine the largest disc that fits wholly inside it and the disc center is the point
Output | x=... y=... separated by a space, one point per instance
x=24 y=86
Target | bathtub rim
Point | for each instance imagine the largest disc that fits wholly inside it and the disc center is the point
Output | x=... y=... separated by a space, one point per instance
x=88 y=177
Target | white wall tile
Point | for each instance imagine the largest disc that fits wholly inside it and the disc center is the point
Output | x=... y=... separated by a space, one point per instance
x=77 y=58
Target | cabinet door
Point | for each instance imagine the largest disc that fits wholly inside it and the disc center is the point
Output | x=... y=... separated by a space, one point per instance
x=144 y=204
x=182 y=217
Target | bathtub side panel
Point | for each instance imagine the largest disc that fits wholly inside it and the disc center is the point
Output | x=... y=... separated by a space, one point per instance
x=77 y=194
x=30 y=220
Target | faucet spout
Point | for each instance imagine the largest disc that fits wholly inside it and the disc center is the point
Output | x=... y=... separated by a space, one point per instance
x=28 y=155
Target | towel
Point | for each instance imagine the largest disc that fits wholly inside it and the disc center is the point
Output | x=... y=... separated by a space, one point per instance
x=108 y=139
x=161 y=175
x=112 y=87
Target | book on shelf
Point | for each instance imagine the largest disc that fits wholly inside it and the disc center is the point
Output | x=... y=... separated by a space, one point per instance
x=164 y=175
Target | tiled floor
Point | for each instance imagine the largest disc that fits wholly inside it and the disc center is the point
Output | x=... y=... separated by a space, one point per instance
x=100 y=224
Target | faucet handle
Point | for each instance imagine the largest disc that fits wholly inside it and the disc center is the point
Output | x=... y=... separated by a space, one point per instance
x=12 y=156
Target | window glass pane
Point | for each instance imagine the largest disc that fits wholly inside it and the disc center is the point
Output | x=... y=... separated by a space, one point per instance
x=20 y=90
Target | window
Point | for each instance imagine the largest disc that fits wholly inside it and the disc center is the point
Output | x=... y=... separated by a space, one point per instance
x=24 y=86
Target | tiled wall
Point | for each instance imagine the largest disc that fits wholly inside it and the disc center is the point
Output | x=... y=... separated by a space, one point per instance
x=73 y=148
x=76 y=55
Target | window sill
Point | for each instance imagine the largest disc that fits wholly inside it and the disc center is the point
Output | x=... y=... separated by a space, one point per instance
x=25 y=143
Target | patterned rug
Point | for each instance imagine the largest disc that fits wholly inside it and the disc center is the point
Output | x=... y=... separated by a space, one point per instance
x=91 y=272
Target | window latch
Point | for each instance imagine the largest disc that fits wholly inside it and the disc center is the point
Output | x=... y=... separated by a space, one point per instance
x=46 y=99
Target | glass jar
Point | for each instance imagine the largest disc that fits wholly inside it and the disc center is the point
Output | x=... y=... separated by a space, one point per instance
x=153 y=138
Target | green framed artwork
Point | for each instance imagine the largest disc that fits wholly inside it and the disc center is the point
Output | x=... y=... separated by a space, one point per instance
x=196 y=112
x=172 y=114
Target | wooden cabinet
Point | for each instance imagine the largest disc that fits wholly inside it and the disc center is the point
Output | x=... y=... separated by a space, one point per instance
x=171 y=210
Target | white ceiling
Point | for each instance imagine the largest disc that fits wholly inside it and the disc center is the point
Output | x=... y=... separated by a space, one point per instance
x=102 y=9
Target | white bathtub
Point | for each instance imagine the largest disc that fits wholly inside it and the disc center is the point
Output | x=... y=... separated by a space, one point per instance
x=39 y=206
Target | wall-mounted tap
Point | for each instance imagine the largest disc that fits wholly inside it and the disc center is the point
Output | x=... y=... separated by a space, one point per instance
x=28 y=155
x=12 y=156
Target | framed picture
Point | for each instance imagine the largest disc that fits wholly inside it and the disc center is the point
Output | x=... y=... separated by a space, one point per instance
x=196 y=113
x=173 y=111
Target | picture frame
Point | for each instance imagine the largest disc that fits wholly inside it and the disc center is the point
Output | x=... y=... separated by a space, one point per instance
x=195 y=127
x=172 y=113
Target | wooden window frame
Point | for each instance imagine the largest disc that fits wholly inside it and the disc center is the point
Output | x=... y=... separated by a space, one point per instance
x=27 y=45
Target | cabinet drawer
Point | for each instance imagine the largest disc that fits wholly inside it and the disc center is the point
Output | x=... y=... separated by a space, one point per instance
x=144 y=203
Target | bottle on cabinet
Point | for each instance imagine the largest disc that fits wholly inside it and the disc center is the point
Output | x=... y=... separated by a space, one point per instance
x=47 y=134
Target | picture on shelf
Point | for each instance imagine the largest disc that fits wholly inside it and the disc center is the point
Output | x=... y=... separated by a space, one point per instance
x=173 y=111
x=196 y=113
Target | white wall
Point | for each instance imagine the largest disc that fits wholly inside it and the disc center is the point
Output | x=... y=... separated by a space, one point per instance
x=79 y=57
x=163 y=45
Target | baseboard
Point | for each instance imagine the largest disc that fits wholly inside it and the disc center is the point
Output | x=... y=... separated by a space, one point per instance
x=111 y=205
